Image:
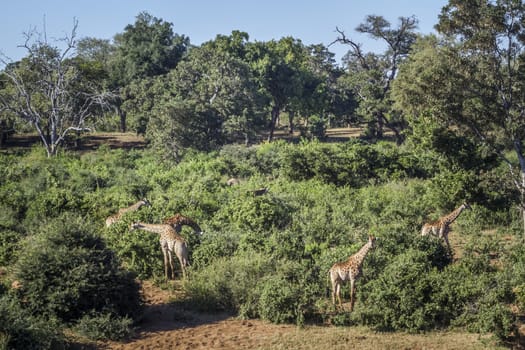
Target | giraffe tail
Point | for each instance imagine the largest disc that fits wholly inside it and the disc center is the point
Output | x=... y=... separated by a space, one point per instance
x=329 y=285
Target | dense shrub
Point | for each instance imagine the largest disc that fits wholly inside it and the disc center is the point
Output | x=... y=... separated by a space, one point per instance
x=99 y=326
x=264 y=256
x=255 y=285
x=138 y=250
x=288 y=294
x=67 y=272
x=354 y=163
x=400 y=298
x=246 y=212
x=9 y=241
x=20 y=329
x=228 y=283
x=215 y=245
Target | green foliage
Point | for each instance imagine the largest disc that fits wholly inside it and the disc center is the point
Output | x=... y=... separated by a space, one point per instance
x=259 y=213
x=20 y=329
x=401 y=296
x=259 y=256
x=215 y=245
x=316 y=127
x=256 y=286
x=212 y=99
x=66 y=272
x=354 y=163
x=228 y=283
x=100 y=326
x=287 y=295
x=8 y=246
x=147 y=48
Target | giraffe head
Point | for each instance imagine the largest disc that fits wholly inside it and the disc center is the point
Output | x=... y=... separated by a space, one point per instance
x=466 y=205
x=134 y=226
x=372 y=241
x=146 y=202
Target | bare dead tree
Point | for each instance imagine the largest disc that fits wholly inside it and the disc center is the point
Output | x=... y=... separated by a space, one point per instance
x=398 y=41
x=45 y=92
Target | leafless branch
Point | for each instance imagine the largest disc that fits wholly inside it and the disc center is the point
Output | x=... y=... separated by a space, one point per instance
x=355 y=47
x=46 y=73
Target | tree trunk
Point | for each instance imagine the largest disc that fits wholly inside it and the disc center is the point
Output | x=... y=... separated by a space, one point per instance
x=290 y=122
x=275 y=116
x=522 y=204
x=122 y=115
x=518 y=147
x=380 y=125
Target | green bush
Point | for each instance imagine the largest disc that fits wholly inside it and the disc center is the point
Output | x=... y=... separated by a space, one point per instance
x=67 y=272
x=400 y=298
x=264 y=256
x=99 y=326
x=288 y=295
x=214 y=245
x=316 y=127
x=138 y=250
x=278 y=300
x=19 y=329
x=9 y=244
x=255 y=285
x=248 y=213
x=228 y=284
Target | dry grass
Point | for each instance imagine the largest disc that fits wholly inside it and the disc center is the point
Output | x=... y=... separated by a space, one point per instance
x=88 y=142
x=166 y=326
x=362 y=338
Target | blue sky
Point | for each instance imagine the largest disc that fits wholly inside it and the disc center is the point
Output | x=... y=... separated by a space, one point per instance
x=312 y=22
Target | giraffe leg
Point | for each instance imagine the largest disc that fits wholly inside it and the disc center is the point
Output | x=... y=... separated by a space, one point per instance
x=446 y=241
x=352 y=294
x=338 y=293
x=166 y=258
x=182 y=266
x=333 y=286
x=334 y=292
x=170 y=255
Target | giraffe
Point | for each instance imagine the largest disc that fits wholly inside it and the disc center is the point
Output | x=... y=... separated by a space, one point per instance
x=233 y=181
x=349 y=269
x=110 y=220
x=178 y=220
x=170 y=243
x=441 y=227
x=259 y=191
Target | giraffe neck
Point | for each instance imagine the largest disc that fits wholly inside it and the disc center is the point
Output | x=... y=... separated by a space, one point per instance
x=179 y=220
x=133 y=207
x=190 y=223
x=155 y=228
x=359 y=257
x=454 y=215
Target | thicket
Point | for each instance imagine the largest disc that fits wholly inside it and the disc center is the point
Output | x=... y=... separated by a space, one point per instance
x=260 y=256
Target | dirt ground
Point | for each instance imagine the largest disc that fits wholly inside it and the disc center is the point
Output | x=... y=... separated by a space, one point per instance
x=90 y=142
x=167 y=326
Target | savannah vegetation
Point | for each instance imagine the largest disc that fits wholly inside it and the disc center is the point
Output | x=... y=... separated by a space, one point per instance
x=443 y=123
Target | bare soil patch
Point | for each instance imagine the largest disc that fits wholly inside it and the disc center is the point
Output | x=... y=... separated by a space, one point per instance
x=114 y=140
x=168 y=326
x=88 y=142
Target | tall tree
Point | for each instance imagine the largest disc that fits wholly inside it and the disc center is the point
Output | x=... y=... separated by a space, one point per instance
x=372 y=74
x=277 y=65
x=321 y=93
x=147 y=48
x=45 y=91
x=209 y=99
x=473 y=80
